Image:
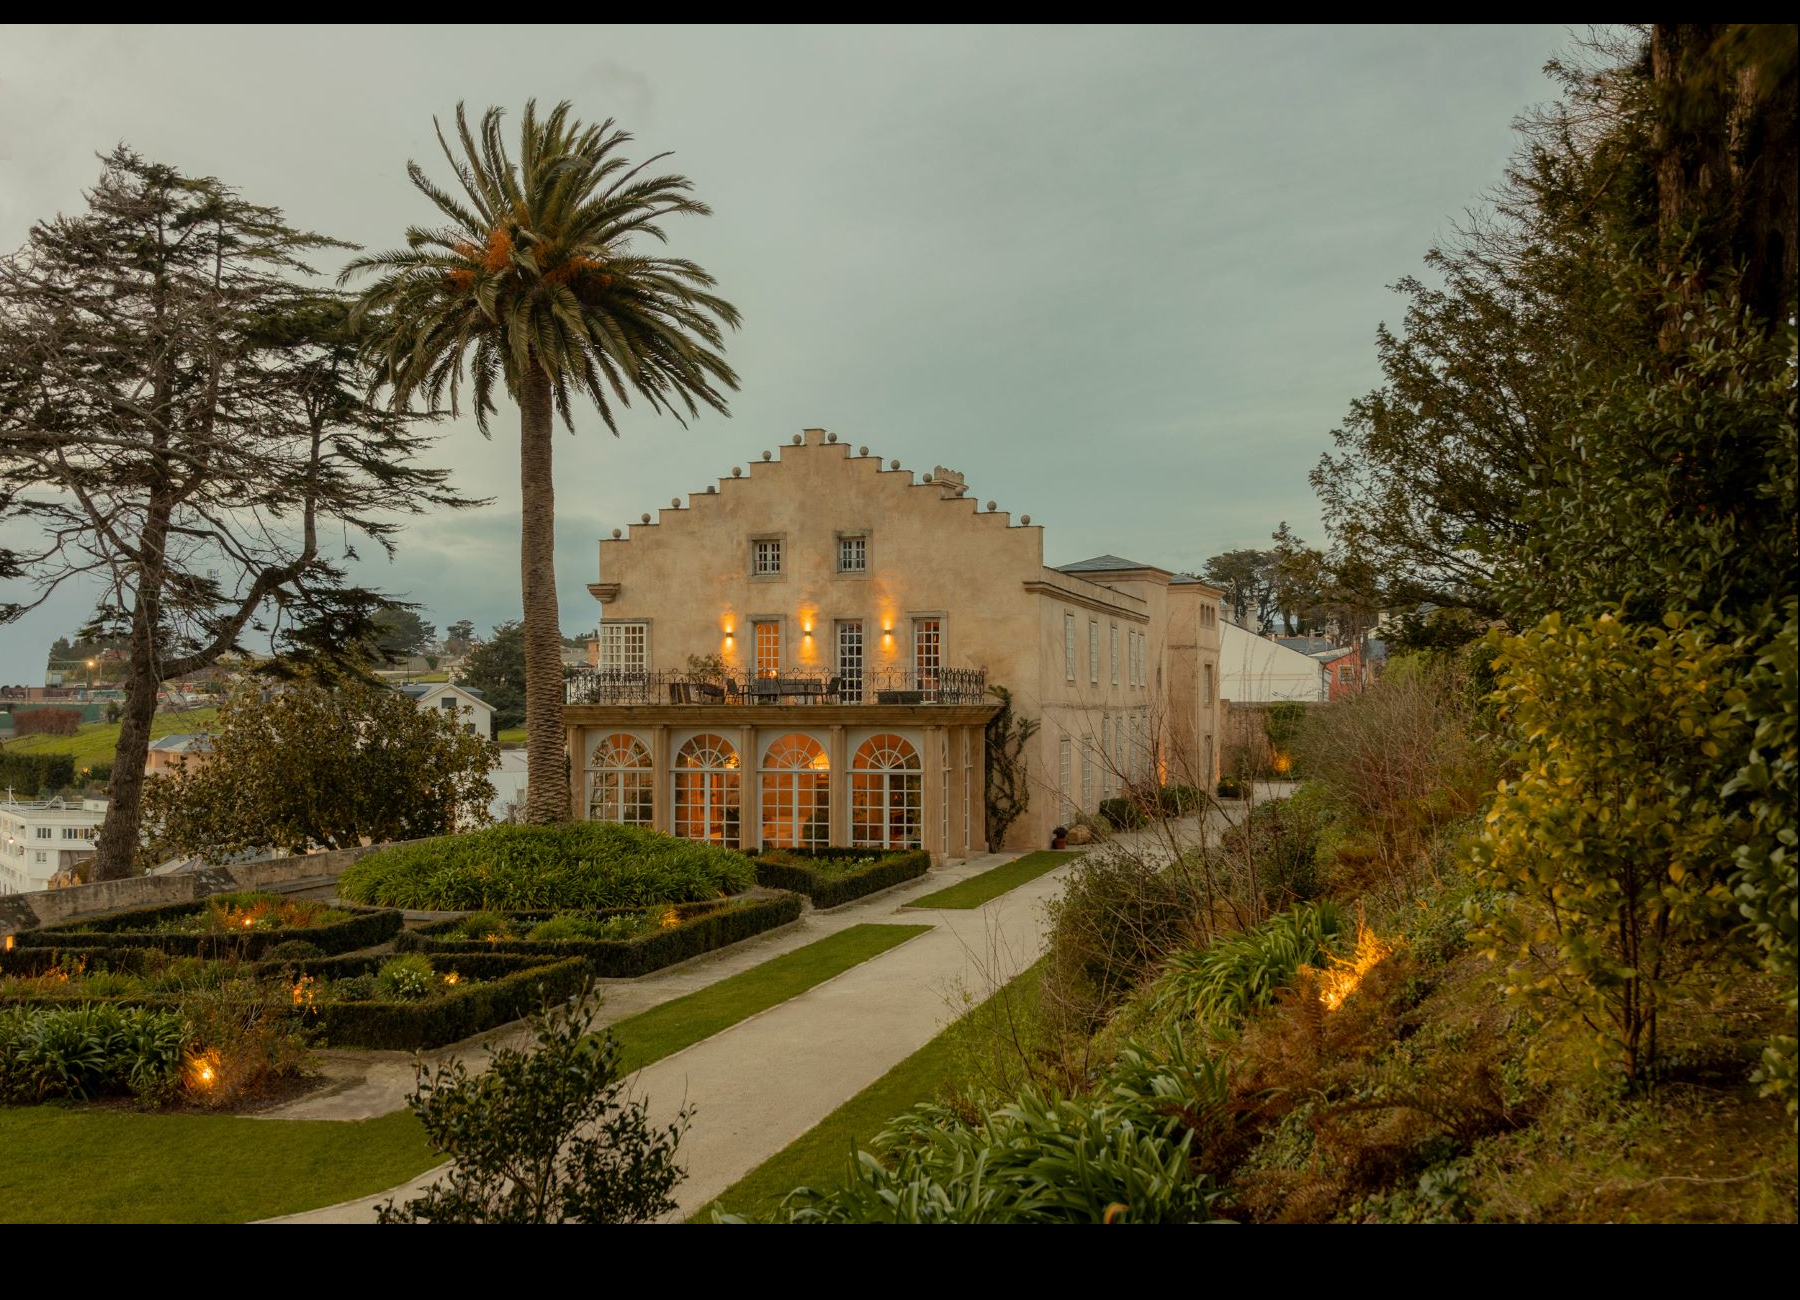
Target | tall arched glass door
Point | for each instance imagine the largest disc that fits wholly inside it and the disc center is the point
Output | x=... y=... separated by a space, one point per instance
x=886 y=794
x=796 y=794
x=706 y=791
x=621 y=781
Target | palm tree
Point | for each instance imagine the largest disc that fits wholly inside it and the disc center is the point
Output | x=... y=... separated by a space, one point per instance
x=536 y=282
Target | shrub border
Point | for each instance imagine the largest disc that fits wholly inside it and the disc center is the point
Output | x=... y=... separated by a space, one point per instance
x=713 y=927
x=513 y=987
x=366 y=928
x=789 y=871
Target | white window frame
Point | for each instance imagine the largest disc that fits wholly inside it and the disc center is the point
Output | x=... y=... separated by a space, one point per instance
x=927 y=651
x=851 y=666
x=853 y=545
x=1068 y=647
x=1113 y=663
x=768 y=556
x=624 y=646
x=756 y=657
x=1093 y=652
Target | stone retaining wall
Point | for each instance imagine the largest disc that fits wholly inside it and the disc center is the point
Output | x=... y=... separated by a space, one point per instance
x=54 y=906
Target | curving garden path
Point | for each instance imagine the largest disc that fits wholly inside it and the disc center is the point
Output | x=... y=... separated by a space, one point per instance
x=766 y=1080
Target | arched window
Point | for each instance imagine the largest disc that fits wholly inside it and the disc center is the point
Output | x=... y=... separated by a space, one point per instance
x=796 y=794
x=886 y=792
x=620 y=781
x=706 y=791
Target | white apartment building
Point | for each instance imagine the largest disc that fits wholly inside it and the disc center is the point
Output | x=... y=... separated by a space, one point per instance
x=39 y=839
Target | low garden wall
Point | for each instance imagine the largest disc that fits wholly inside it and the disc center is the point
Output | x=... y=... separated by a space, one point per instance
x=46 y=907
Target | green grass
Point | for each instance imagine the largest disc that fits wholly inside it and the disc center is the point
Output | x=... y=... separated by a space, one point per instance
x=94 y=742
x=512 y=736
x=819 y=1157
x=989 y=885
x=656 y=1033
x=119 y=1166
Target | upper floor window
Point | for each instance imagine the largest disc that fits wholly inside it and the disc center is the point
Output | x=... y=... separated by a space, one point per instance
x=43 y=832
x=1094 y=651
x=853 y=554
x=1345 y=674
x=928 y=651
x=1069 y=646
x=624 y=647
x=765 y=643
x=1113 y=662
x=1208 y=670
x=448 y=704
x=765 y=556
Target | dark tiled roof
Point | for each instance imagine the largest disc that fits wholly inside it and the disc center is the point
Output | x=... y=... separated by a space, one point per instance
x=1306 y=645
x=1104 y=564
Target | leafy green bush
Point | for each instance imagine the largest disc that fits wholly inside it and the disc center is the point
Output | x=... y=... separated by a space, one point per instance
x=1222 y=981
x=92 y=1050
x=545 y=1136
x=1121 y=814
x=406 y=978
x=1228 y=788
x=1180 y=800
x=29 y=774
x=294 y=950
x=583 y=865
x=813 y=874
x=699 y=928
x=1121 y=1155
x=1116 y=917
x=1615 y=836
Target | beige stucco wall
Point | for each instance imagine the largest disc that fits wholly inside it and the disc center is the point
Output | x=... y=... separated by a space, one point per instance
x=930 y=554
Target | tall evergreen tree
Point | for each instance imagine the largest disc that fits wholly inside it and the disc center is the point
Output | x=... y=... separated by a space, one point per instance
x=185 y=420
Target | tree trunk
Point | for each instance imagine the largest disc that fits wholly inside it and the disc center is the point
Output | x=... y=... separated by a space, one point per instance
x=547 y=779
x=115 y=856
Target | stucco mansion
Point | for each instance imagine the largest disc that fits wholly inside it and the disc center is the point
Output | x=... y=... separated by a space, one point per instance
x=802 y=656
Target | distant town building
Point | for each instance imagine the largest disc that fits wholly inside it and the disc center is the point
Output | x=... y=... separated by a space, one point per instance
x=185 y=749
x=463 y=703
x=1261 y=670
x=42 y=843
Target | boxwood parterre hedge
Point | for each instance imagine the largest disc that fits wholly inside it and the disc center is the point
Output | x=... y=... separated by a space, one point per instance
x=501 y=987
x=702 y=928
x=367 y=927
x=795 y=870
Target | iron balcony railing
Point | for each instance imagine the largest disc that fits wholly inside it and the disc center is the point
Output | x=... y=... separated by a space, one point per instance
x=873 y=686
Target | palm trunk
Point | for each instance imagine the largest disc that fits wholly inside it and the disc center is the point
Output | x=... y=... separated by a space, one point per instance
x=547 y=778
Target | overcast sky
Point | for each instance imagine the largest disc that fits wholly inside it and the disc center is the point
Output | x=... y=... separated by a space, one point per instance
x=1127 y=281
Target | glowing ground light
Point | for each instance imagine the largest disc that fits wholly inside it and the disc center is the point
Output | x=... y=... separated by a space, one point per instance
x=670 y=919
x=202 y=1070
x=452 y=978
x=1340 y=979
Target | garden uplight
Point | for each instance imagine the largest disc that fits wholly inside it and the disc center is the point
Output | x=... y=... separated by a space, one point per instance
x=451 y=978
x=202 y=1070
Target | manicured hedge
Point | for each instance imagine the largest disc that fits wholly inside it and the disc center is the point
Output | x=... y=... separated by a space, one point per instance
x=512 y=988
x=582 y=865
x=369 y=926
x=28 y=960
x=788 y=869
x=704 y=927
x=29 y=774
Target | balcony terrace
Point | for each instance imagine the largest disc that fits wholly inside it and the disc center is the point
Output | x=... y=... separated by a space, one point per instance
x=889 y=686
